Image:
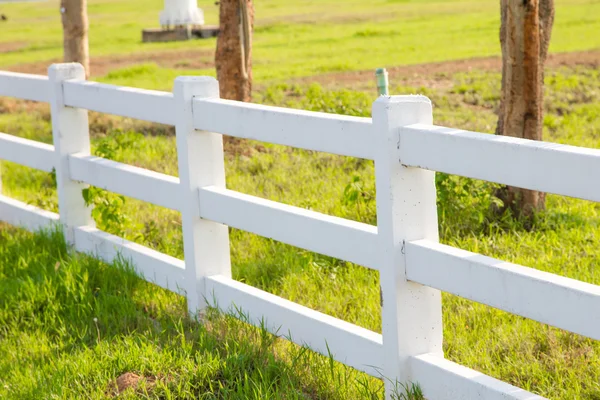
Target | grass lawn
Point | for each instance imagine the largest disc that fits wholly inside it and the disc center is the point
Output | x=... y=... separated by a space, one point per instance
x=70 y=325
x=292 y=38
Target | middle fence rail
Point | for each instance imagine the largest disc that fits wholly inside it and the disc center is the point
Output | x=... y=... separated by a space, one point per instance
x=406 y=147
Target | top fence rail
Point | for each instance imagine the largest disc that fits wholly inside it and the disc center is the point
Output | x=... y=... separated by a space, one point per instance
x=547 y=167
x=146 y=105
x=25 y=86
x=330 y=133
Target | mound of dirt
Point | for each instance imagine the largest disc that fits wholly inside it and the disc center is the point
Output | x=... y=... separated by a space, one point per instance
x=100 y=66
x=433 y=70
x=9 y=47
x=130 y=381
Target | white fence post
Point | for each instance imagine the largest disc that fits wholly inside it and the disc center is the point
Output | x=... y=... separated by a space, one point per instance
x=201 y=163
x=406 y=210
x=70 y=132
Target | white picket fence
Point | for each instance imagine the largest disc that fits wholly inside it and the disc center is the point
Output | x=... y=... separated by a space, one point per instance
x=404 y=247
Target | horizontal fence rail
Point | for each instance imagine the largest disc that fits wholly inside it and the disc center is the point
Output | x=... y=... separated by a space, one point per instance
x=330 y=133
x=443 y=379
x=138 y=183
x=345 y=342
x=24 y=86
x=547 y=167
x=160 y=269
x=24 y=215
x=403 y=143
x=29 y=153
x=147 y=105
x=551 y=299
x=331 y=236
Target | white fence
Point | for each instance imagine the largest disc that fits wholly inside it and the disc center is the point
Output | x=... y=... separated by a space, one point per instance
x=404 y=246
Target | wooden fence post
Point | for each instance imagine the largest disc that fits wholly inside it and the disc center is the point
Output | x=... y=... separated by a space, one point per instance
x=70 y=132
x=201 y=163
x=406 y=210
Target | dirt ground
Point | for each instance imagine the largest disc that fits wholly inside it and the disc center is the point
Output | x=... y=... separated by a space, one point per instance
x=9 y=47
x=100 y=66
x=434 y=74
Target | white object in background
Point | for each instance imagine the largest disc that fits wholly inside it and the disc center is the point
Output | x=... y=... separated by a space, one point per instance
x=181 y=12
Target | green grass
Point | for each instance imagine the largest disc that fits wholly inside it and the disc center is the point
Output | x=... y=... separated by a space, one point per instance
x=296 y=39
x=70 y=325
x=61 y=340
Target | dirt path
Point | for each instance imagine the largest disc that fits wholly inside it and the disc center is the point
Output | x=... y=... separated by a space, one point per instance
x=421 y=74
x=100 y=66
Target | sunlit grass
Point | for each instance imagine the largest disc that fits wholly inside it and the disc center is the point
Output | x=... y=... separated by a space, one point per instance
x=70 y=325
x=189 y=360
x=294 y=39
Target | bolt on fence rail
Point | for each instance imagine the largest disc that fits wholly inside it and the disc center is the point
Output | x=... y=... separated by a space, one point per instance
x=404 y=247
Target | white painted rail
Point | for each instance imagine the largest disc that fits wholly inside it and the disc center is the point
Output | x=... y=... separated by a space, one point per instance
x=25 y=215
x=403 y=247
x=445 y=380
x=348 y=343
x=548 y=167
x=139 y=183
x=160 y=269
x=24 y=86
x=330 y=133
x=27 y=152
x=331 y=236
x=147 y=105
x=552 y=299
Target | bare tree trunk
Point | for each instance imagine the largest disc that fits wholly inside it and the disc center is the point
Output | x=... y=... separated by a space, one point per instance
x=524 y=36
x=233 y=57
x=75 y=32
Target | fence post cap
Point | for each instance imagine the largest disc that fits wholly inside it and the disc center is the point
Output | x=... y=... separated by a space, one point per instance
x=186 y=87
x=408 y=98
x=65 y=71
x=195 y=79
x=396 y=111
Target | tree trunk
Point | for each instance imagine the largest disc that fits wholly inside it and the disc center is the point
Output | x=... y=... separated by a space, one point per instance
x=233 y=57
x=75 y=32
x=524 y=37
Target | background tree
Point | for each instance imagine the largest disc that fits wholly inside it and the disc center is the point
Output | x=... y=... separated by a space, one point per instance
x=525 y=30
x=233 y=57
x=75 y=32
